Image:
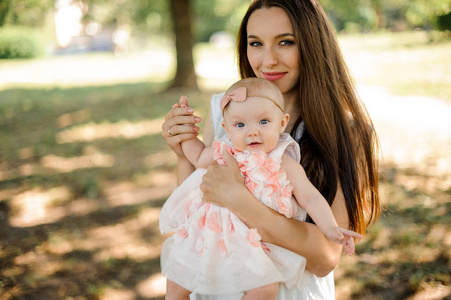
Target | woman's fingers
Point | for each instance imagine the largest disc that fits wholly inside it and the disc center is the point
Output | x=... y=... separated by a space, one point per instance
x=179 y=128
x=177 y=121
x=177 y=110
x=231 y=163
x=183 y=120
x=177 y=139
x=221 y=183
x=180 y=125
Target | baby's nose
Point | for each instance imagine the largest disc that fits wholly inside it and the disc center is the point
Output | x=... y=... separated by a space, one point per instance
x=253 y=132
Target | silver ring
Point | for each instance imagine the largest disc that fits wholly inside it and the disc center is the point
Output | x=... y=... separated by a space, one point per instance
x=169 y=131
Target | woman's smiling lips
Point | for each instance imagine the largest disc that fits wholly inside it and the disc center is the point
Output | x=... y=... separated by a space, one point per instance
x=273 y=76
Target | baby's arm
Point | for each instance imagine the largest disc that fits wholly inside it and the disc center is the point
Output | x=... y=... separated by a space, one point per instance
x=316 y=206
x=197 y=153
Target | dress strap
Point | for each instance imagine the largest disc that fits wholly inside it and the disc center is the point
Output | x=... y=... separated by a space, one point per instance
x=287 y=145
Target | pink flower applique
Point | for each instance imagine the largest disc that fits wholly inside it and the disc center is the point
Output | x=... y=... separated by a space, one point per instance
x=266 y=170
x=254 y=237
x=199 y=245
x=222 y=248
x=265 y=248
x=201 y=223
x=219 y=148
x=287 y=191
x=182 y=233
x=284 y=206
x=188 y=210
x=230 y=225
x=251 y=185
x=212 y=222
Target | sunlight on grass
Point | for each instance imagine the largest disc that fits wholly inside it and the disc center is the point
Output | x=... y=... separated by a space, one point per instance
x=79 y=116
x=87 y=69
x=118 y=241
x=33 y=207
x=63 y=164
x=129 y=193
x=127 y=130
x=404 y=63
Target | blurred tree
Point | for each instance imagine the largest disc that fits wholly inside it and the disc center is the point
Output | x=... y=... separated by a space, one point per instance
x=424 y=13
x=444 y=23
x=181 y=15
x=4 y=9
x=378 y=9
x=366 y=15
x=30 y=13
x=217 y=15
x=342 y=13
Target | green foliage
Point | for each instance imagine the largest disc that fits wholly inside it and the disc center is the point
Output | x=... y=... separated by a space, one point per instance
x=444 y=22
x=221 y=15
x=364 y=15
x=4 y=9
x=20 y=42
x=25 y=12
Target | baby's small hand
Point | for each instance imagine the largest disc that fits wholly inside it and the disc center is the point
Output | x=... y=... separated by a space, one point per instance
x=348 y=245
x=345 y=238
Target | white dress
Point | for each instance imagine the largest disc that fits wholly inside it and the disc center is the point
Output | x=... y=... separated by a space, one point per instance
x=212 y=250
x=269 y=263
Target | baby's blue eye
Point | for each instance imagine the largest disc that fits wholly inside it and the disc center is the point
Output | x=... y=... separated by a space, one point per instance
x=239 y=125
x=263 y=122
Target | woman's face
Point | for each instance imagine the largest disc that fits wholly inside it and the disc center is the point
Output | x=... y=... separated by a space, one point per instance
x=271 y=49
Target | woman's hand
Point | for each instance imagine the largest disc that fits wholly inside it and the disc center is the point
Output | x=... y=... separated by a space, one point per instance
x=223 y=185
x=180 y=125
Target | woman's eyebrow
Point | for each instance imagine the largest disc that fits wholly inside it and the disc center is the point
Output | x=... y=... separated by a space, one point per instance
x=251 y=36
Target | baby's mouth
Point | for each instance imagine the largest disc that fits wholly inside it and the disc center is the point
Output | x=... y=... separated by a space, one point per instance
x=253 y=144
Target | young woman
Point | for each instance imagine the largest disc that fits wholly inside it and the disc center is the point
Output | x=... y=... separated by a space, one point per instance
x=213 y=252
x=291 y=43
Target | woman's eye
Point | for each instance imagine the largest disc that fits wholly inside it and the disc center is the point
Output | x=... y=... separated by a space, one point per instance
x=264 y=122
x=239 y=125
x=255 y=44
x=287 y=43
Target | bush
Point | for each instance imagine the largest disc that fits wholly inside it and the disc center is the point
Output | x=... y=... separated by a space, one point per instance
x=19 y=42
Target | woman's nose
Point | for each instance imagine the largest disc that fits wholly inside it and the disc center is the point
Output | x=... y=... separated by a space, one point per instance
x=270 y=57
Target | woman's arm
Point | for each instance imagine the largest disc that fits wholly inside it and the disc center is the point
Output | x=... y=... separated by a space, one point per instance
x=224 y=186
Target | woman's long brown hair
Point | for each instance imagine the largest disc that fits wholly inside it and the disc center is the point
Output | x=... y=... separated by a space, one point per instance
x=339 y=145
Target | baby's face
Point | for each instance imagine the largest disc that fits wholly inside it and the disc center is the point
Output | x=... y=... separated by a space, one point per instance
x=254 y=124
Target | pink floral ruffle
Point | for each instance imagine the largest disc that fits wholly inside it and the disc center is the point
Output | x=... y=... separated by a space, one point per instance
x=263 y=177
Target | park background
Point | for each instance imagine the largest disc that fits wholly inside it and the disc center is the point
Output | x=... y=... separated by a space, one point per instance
x=85 y=85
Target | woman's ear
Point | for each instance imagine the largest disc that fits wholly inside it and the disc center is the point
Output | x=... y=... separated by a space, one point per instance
x=284 y=122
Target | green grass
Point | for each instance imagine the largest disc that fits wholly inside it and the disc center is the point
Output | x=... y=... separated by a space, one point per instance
x=403 y=63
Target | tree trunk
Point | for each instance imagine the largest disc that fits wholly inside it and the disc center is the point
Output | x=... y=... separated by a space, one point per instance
x=377 y=7
x=185 y=76
x=4 y=9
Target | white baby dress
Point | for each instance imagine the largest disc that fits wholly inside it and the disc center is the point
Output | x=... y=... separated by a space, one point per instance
x=212 y=252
